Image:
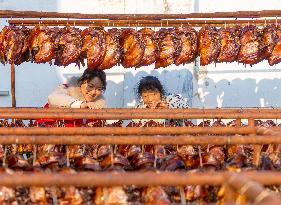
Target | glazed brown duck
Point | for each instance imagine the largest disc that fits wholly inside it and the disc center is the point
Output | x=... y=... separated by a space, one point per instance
x=168 y=46
x=68 y=46
x=150 y=47
x=275 y=55
x=40 y=44
x=132 y=48
x=230 y=44
x=188 y=41
x=3 y=33
x=270 y=38
x=12 y=44
x=209 y=45
x=94 y=46
x=112 y=53
x=252 y=48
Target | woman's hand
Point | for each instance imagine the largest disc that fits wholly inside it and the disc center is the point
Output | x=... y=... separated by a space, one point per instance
x=90 y=105
x=162 y=105
x=158 y=105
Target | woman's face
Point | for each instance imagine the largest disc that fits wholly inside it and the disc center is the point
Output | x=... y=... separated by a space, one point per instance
x=151 y=98
x=91 y=89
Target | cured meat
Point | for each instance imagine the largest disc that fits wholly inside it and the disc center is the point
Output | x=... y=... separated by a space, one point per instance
x=150 y=46
x=270 y=38
x=132 y=48
x=188 y=48
x=2 y=50
x=230 y=44
x=41 y=44
x=68 y=46
x=12 y=46
x=112 y=54
x=209 y=45
x=251 y=51
x=94 y=46
x=168 y=46
x=275 y=55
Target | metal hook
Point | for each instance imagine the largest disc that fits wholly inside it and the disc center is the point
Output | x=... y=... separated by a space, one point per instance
x=167 y=23
x=276 y=22
x=265 y=22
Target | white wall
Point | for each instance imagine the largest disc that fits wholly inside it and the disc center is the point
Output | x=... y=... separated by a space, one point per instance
x=223 y=85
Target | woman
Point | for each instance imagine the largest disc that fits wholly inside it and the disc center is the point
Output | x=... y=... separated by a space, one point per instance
x=152 y=95
x=84 y=92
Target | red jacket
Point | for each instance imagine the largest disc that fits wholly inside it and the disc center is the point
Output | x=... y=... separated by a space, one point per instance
x=67 y=122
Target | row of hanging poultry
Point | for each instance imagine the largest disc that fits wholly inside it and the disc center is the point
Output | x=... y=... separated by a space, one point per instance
x=126 y=158
x=136 y=48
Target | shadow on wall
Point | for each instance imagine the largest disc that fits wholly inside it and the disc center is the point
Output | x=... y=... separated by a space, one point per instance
x=241 y=93
x=177 y=81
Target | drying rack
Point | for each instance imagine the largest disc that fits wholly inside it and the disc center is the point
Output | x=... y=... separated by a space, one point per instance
x=32 y=18
x=144 y=135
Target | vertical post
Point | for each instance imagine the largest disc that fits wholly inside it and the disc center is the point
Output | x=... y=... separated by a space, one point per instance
x=257 y=148
x=238 y=122
x=13 y=85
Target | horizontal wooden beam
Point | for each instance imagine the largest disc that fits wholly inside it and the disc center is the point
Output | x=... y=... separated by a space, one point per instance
x=236 y=14
x=141 y=110
x=86 y=179
x=140 y=139
x=91 y=114
x=128 y=130
x=143 y=23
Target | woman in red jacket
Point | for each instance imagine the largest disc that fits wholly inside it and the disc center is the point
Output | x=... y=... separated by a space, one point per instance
x=84 y=92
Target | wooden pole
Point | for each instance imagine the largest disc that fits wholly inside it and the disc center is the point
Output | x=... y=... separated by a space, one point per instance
x=201 y=111
x=99 y=114
x=135 y=178
x=139 y=139
x=141 y=23
x=236 y=14
x=13 y=85
x=127 y=130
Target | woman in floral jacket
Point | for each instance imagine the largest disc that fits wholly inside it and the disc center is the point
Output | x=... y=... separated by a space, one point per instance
x=152 y=95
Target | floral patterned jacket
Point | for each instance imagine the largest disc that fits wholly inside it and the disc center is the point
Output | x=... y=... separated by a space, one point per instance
x=173 y=101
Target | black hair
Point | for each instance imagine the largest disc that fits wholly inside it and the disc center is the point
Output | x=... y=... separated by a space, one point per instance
x=150 y=83
x=89 y=75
